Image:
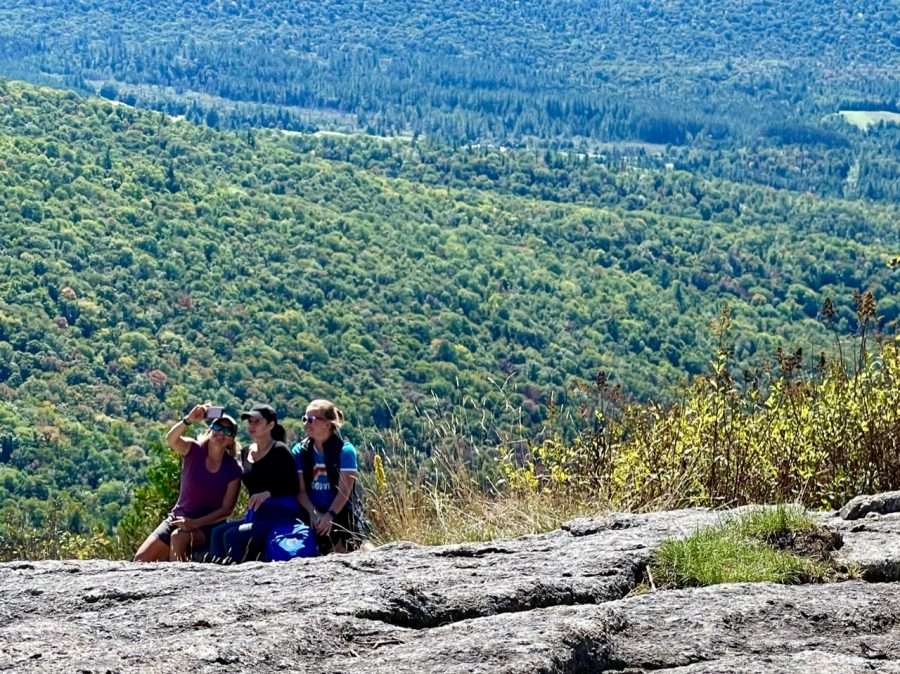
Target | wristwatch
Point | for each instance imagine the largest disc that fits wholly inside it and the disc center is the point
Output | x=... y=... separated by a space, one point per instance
x=332 y=513
x=185 y=421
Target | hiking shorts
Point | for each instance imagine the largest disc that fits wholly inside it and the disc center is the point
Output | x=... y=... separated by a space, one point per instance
x=167 y=527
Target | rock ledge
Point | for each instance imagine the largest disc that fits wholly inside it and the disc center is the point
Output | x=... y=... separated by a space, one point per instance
x=557 y=602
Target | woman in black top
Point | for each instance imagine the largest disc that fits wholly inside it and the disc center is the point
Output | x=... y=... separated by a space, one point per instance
x=270 y=475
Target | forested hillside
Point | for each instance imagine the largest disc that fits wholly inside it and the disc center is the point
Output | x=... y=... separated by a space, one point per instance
x=148 y=263
x=743 y=91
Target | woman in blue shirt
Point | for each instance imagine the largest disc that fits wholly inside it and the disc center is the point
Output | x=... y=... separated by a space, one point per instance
x=327 y=468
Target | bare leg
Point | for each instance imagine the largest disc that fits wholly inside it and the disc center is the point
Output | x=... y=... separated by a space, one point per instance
x=152 y=550
x=183 y=543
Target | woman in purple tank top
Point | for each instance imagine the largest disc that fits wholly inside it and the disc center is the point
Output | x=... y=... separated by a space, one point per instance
x=210 y=482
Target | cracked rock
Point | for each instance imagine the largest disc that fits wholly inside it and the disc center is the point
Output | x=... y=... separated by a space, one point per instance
x=556 y=602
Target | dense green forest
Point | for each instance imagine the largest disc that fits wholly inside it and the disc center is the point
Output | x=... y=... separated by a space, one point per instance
x=148 y=263
x=740 y=91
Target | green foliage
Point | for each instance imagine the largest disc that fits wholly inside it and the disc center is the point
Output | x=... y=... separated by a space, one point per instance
x=174 y=263
x=743 y=92
x=53 y=538
x=151 y=501
x=733 y=552
x=819 y=438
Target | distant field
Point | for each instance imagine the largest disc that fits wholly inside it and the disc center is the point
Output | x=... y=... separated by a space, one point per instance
x=629 y=146
x=340 y=121
x=863 y=119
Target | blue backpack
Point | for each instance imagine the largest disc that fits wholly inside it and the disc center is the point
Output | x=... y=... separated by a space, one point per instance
x=287 y=540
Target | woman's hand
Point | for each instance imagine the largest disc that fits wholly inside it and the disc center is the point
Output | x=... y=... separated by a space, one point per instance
x=184 y=523
x=323 y=525
x=198 y=413
x=258 y=499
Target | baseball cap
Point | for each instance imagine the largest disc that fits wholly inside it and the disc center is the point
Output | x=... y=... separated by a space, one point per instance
x=266 y=412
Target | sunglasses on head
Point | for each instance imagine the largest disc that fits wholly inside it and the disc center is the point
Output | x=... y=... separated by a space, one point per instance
x=224 y=430
x=309 y=418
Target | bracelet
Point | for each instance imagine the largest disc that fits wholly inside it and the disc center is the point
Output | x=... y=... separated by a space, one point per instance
x=332 y=513
x=185 y=421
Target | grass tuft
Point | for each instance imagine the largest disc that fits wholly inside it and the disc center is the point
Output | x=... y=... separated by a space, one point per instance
x=764 y=524
x=735 y=552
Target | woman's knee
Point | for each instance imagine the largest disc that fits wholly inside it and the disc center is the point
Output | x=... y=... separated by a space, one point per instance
x=152 y=550
x=182 y=542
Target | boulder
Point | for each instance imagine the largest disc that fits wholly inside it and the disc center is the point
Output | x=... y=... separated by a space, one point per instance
x=871 y=546
x=861 y=506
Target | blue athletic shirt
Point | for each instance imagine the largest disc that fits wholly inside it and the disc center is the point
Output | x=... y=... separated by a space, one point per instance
x=322 y=495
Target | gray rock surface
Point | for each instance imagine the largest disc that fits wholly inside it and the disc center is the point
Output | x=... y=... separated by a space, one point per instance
x=556 y=602
x=871 y=545
x=882 y=504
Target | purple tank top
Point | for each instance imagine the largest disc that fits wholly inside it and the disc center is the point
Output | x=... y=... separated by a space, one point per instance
x=201 y=491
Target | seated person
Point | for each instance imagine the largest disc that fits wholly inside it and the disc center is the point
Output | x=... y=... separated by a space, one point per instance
x=327 y=467
x=210 y=481
x=271 y=479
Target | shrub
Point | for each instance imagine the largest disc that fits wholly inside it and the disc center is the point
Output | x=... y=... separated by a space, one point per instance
x=818 y=436
x=20 y=539
x=151 y=501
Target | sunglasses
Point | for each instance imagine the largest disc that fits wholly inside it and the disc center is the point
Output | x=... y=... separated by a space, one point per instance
x=224 y=430
x=310 y=418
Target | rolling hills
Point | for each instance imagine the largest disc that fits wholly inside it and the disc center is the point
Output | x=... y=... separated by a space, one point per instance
x=745 y=91
x=148 y=263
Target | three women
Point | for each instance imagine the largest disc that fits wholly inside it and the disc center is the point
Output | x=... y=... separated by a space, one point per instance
x=313 y=482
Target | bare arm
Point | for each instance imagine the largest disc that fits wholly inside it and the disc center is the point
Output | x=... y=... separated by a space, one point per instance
x=217 y=515
x=345 y=488
x=177 y=442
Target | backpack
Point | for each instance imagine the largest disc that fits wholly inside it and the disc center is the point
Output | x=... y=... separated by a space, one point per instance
x=359 y=523
x=288 y=540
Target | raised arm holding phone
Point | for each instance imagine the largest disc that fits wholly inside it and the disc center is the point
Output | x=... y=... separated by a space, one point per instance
x=210 y=482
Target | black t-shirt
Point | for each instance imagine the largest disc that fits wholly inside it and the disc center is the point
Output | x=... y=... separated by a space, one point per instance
x=275 y=472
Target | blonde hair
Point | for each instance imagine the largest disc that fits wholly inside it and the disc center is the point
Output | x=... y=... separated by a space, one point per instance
x=329 y=410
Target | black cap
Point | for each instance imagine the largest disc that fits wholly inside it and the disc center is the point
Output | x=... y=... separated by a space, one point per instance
x=266 y=412
x=227 y=418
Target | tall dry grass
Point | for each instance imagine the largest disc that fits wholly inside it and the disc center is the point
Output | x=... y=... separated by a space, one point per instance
x=814 y=431
x=457 y=490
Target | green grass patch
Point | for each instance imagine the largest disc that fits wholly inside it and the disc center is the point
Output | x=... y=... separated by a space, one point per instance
x=763 y=524
x=863 y=119
x=735 y=551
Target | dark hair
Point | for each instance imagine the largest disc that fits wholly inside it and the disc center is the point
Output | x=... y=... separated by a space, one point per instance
x=278 y=433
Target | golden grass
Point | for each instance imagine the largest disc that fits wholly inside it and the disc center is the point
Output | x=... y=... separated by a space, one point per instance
x=454 y=507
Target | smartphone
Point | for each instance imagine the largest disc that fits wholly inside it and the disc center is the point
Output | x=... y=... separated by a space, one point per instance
x=214 y=411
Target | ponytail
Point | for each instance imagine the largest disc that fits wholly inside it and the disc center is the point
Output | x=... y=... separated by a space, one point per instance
x=278 y=433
